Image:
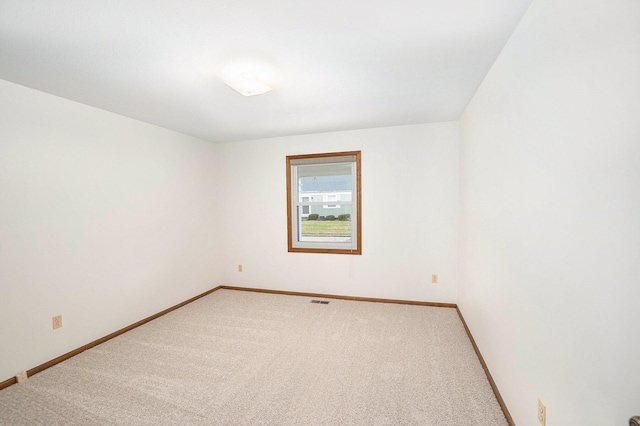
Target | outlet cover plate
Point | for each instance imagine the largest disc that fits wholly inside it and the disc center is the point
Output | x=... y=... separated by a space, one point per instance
x=57 y=321
x=542 y=413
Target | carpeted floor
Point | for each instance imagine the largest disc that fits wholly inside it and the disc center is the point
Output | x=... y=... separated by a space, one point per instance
x=242 y=358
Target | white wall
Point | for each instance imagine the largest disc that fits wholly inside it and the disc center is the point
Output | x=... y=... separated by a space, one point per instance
x=550 y=214
x=103 y=219
x=409 y=217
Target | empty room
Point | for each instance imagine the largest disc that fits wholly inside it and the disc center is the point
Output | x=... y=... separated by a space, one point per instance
x=299 y=213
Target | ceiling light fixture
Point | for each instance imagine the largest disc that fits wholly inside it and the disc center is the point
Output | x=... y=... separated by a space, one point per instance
x=247 y=85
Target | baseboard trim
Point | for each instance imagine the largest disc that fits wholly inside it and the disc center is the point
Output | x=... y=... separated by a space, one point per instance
x=505 y=411
x=336 y=296
x=81 y=349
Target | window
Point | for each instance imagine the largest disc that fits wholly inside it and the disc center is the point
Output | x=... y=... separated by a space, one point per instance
x=331 y=197
x=306 y=209
x=323 y=203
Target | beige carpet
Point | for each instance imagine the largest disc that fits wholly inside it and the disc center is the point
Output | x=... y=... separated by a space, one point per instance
x=241 y=358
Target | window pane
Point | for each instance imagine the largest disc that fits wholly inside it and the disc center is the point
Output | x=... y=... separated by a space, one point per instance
x=323 y=203
x=313 y=185
x=325 y=228
x=328 y=183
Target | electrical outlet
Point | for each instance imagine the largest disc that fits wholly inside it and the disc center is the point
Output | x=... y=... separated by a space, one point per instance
x=22 y=377
x=57 y=321
x=542 y=413
x=434 y=279
x=239 y=268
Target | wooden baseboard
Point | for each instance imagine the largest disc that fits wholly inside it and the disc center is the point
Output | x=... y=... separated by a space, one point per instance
x=75 y=352
x=507 y=415
x=335 y=296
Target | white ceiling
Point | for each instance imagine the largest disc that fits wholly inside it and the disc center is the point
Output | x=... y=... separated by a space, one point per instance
x=333 y=65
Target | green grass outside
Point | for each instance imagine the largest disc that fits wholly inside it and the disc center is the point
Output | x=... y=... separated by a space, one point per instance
x=326 y=227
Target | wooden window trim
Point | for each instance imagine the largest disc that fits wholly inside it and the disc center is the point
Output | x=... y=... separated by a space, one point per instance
x=358 y=249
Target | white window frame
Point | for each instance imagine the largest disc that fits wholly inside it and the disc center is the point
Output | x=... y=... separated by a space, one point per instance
x=293 y=203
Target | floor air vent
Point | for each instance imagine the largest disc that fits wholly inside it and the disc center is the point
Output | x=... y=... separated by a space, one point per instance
x=322 y=302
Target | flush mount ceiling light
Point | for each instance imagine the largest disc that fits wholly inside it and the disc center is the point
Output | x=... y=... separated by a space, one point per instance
x=247 y=84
